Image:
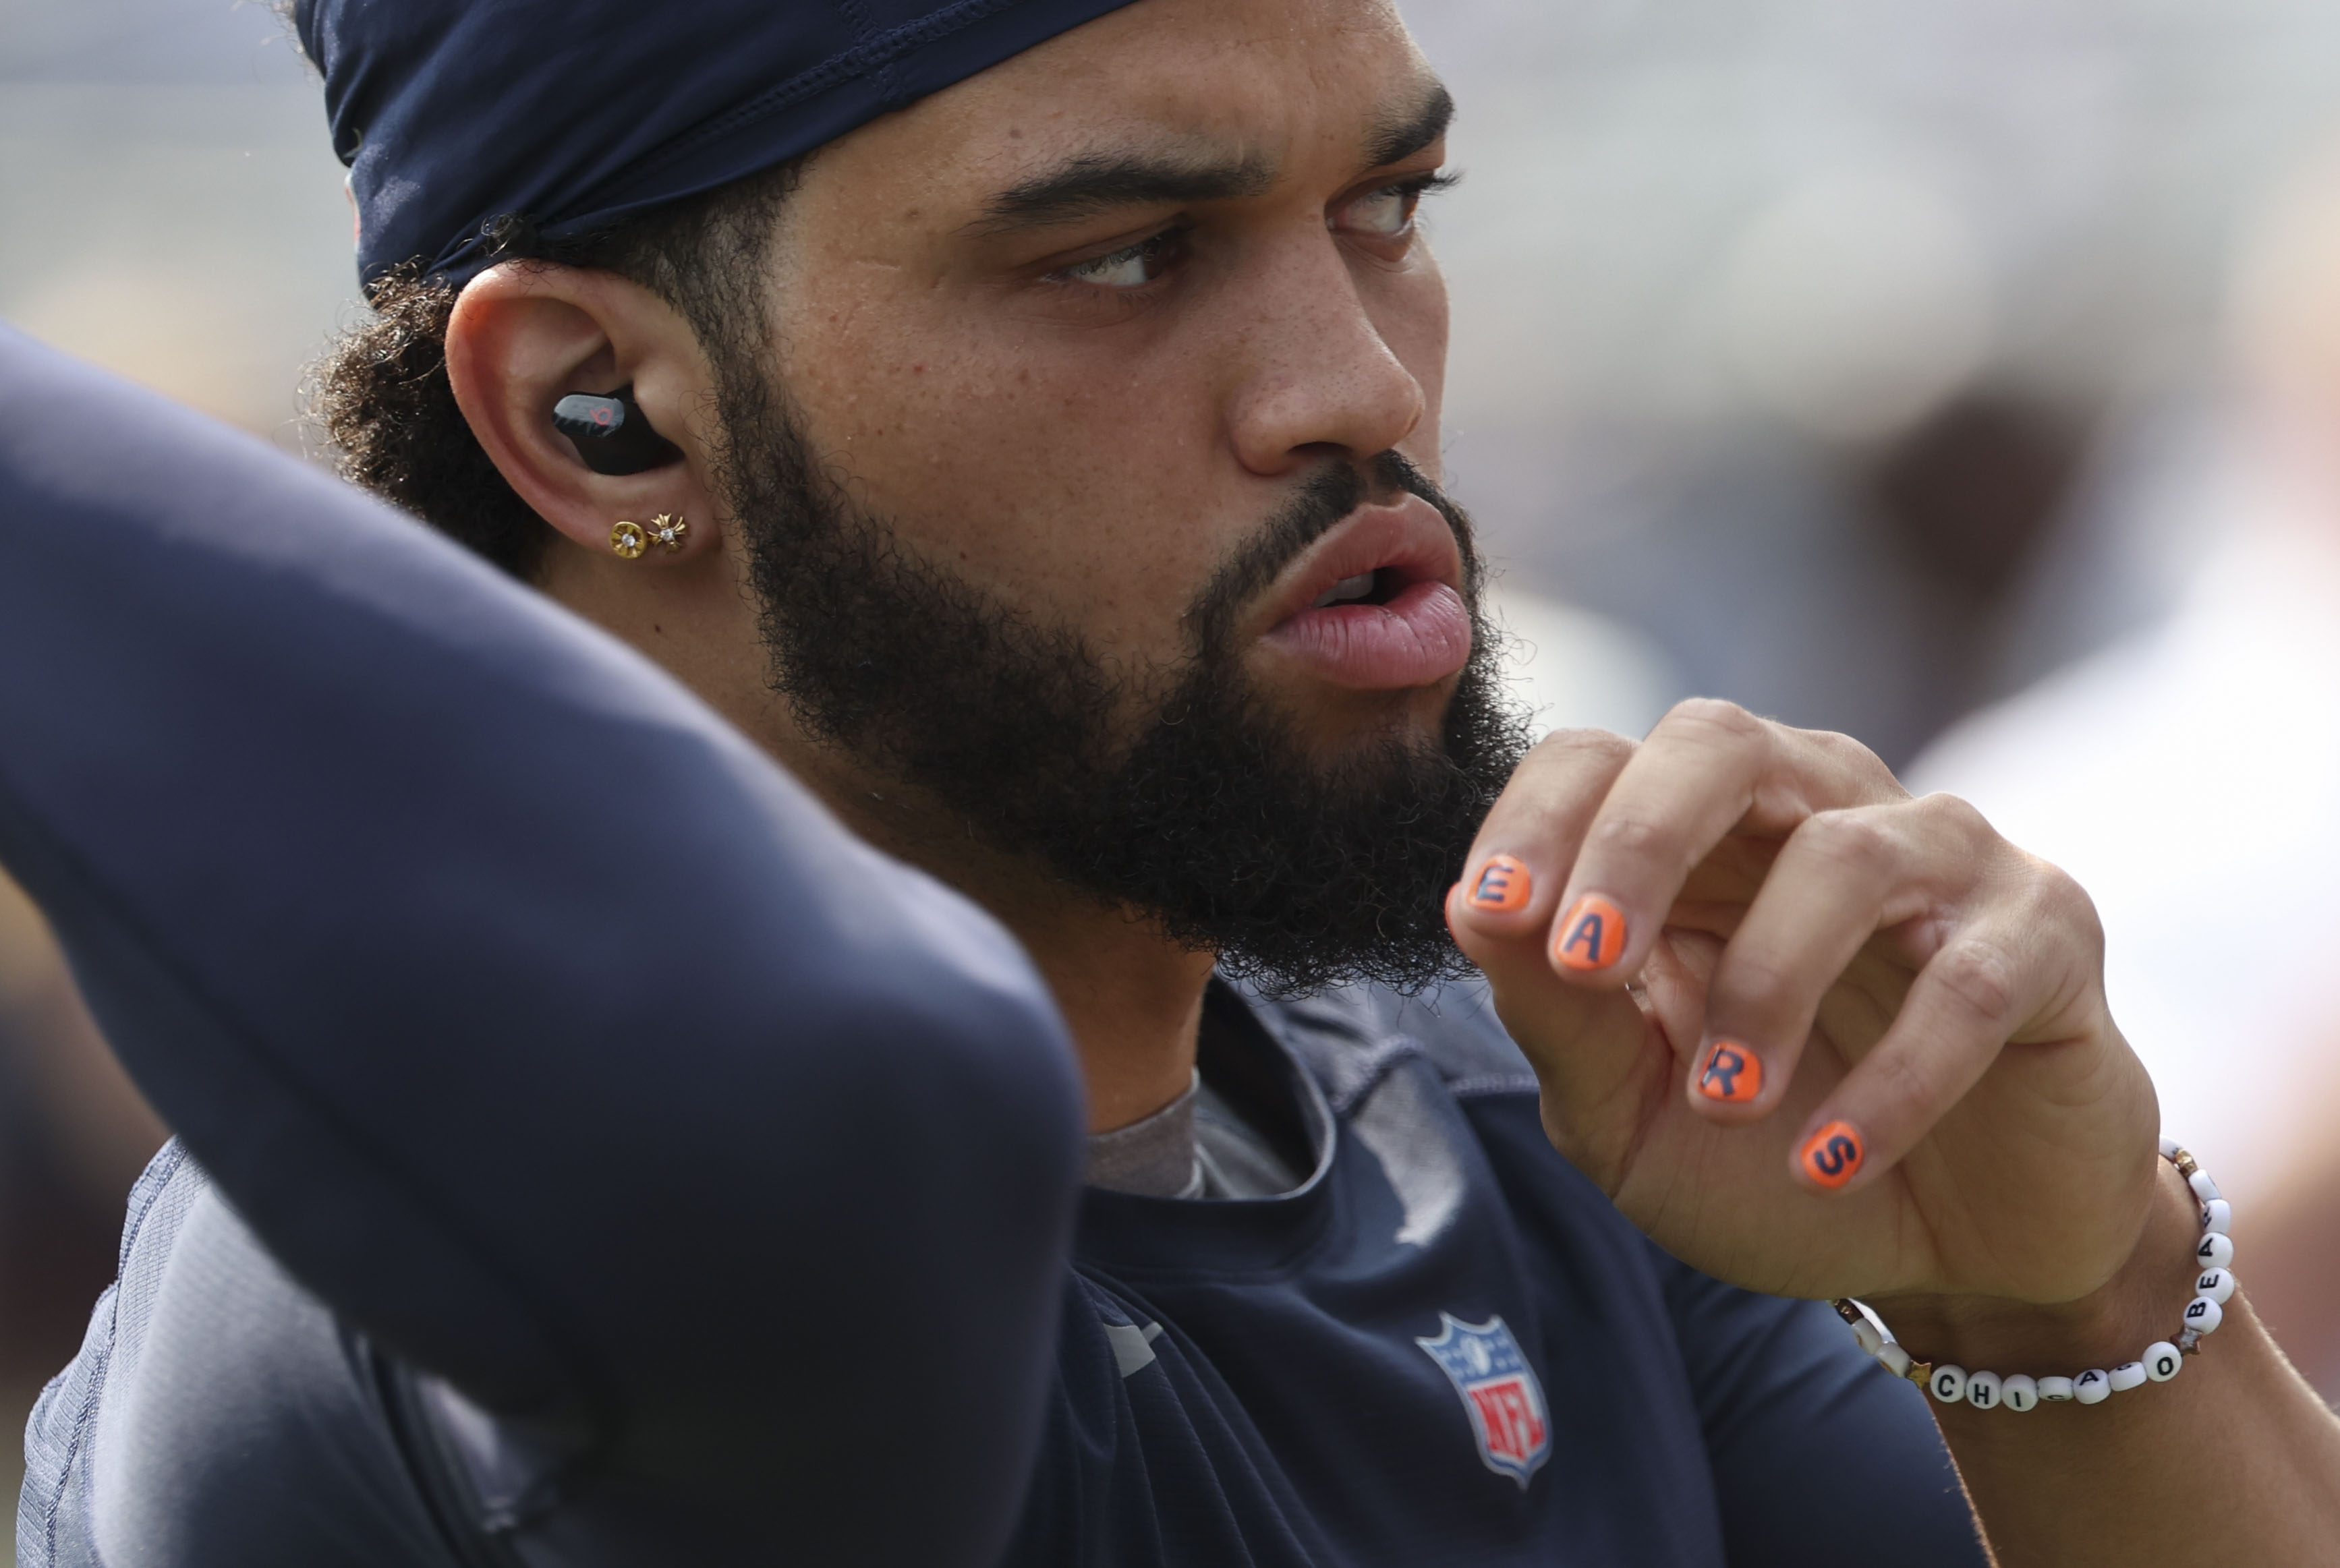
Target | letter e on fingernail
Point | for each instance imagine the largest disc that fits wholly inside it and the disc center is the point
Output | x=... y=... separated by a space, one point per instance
x=1502 y=886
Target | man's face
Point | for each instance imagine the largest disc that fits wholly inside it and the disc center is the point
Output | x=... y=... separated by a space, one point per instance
x=1087 y=500
x=1079 y=328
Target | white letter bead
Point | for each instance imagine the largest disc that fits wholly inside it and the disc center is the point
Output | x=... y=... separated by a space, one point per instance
x=1982 y=1390
x=2216 y=1252
x=2054 y=1390
x=2093 y=1387
x=1894 y=1359
x=1865 y=1335
x=2018 y=1393
x=2217 y=1217
x=2162 y=1361
x=2217 y=1284
x=2204 y=1315
x=2203 y=1187
x=2128 y=1374
x=2169 y=1148
x=1948 y=1384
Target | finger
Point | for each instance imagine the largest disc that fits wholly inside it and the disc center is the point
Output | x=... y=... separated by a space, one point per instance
x=1707 y=767
x=1529 y=840
x=2024 y=973
x=1840 y=877
x=1602 y=1064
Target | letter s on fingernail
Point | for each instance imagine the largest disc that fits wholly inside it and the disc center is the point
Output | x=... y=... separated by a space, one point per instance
x=1833 y=1155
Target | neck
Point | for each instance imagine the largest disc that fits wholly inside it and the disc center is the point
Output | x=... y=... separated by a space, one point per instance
x=1132 y=997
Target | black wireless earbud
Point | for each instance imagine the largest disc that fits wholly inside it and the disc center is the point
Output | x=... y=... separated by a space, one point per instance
x=612 y=434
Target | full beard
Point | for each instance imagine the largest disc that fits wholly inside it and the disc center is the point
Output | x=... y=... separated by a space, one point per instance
x=1179 y=795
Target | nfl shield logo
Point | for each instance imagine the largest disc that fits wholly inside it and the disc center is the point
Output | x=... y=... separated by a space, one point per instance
x=1499 y=1388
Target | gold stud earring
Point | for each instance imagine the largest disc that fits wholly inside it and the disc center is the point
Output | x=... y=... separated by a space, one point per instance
x=669 y=532
x=630 y=541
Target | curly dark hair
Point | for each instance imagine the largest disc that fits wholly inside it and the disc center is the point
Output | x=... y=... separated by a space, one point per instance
x=382 y=394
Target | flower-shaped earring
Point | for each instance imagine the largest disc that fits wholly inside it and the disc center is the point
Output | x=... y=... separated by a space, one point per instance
x=631 y=540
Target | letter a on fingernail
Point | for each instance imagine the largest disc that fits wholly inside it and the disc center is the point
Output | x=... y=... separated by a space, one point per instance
x=1733 y=1074
x=1592 y=937
x=1502 y=886
x=1832 y=1156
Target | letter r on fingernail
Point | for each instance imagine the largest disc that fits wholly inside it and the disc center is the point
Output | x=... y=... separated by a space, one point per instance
x=1732 y=1075
x=1591 y=937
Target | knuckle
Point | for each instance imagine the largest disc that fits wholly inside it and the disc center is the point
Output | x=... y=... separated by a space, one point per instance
x=1955 y=815
x=1980 y=977
x=2062 y=904
x=1858 y=840
x=1757 y=984
x=1601 y=744
x=1712 y=720
x=1629 y=836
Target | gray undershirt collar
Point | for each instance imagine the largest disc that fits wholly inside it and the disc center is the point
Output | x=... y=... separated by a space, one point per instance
x=1195 y=1147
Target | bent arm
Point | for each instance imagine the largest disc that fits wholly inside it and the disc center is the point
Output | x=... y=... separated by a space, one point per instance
x=532 y=1018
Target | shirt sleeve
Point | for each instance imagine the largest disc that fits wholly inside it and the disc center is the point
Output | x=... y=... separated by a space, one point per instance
x=527 y=1013
x=1821 y=1457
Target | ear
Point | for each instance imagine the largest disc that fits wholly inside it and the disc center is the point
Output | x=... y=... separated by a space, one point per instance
x=523 y=336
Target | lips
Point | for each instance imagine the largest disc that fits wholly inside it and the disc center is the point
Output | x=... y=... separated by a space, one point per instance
x=1409 y=629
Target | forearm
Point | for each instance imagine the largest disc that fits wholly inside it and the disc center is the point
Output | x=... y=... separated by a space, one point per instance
x=536 y=1024
x=2235 y=1460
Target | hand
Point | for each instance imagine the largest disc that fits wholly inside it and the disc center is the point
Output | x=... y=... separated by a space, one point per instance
x=1868 y=1052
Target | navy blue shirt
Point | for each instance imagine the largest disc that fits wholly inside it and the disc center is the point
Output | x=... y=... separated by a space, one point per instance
x=593 y=1156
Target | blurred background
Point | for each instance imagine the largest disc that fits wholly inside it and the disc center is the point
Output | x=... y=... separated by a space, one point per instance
x=1962 y=374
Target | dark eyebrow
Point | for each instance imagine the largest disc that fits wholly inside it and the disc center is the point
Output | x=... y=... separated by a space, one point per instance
x=1095 y=182
x=1395 y=140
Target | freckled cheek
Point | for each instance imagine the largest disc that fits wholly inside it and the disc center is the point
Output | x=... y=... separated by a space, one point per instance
x=1082 y=499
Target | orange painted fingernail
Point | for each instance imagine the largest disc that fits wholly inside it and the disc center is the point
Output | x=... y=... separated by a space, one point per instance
x=1592 y=937
x=1502 y=886
x=1733 y=1074
x=1832 y=1156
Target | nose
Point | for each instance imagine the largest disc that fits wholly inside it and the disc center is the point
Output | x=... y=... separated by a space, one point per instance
x=1319 y=377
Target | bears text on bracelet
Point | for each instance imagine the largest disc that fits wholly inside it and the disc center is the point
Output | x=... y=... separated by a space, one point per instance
x=2214 y=1285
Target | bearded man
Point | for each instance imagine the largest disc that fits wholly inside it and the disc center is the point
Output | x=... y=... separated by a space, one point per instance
x=1020 y=419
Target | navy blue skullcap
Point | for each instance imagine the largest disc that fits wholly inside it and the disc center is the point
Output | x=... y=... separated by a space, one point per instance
x=451 y=113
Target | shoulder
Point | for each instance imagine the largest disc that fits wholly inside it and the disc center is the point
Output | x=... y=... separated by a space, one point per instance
x=217 y=1413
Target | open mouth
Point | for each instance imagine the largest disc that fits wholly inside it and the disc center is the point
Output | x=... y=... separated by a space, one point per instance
x=1381 y=610
x=1378 y=587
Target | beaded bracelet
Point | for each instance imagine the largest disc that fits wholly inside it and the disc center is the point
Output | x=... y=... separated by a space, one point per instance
x=2212 y=1288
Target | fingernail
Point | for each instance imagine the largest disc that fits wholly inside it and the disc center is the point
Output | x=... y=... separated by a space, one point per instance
x=1733 y=1074
x=1592 y=937
x=1502 y=886
x=1832 y=1156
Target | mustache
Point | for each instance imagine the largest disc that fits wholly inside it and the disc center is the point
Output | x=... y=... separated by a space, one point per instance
x=1323 y=499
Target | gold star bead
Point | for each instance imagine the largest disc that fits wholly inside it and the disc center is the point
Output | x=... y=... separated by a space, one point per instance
x=670 y=532
x=628 y=540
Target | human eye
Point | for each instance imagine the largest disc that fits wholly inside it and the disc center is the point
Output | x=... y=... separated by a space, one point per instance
x=1388 y=214
x=1131 y=267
